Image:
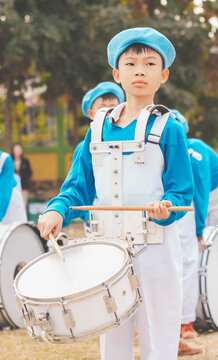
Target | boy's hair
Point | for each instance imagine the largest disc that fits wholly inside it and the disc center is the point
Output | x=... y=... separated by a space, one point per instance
x=108 y=96
x=138 y=48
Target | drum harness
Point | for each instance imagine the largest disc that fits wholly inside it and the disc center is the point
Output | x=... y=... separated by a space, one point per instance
x=130 y=228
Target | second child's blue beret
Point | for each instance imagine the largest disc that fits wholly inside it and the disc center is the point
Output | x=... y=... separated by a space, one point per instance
x=101 y=89
x=147 y=36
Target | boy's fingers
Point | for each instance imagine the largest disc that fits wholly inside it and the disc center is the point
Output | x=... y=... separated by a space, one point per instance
x=167 y=203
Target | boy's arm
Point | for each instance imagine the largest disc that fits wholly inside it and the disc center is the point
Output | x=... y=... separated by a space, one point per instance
x=177 y=176
x=78 y=189
x=202 y=183
x=7 y=183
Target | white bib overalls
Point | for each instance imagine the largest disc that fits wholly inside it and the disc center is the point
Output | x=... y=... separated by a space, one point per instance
x=159 y=267
x=16 y=209
x=190 y=254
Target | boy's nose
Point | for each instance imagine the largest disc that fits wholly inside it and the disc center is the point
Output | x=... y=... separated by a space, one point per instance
x=139 y=72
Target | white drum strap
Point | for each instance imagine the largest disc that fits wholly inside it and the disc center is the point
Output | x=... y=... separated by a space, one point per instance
x=3 y=157
x=98 y=123
x=195 y=154
x=157 y=129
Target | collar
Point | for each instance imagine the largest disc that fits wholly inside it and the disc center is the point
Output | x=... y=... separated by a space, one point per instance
x=115 y=113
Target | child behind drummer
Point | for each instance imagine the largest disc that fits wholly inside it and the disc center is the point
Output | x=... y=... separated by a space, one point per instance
x=204 y=163
x=106 y=94
x=140 y=59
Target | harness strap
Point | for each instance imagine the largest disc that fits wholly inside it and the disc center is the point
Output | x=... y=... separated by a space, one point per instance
x=98 y=123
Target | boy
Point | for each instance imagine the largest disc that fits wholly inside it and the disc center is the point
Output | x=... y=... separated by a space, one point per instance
x=204 y=162
x=12 y=206
x=140 y=59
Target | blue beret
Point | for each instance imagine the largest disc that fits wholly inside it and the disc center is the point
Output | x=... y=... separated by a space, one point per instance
x=148 y=36
x=181 y=119
x=101 y=89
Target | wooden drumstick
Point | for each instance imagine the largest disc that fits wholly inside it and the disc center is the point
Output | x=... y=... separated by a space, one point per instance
x=130 y=208
x=56 y=246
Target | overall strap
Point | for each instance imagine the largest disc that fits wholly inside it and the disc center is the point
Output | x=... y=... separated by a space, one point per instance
x=195 y=154
x=163 y=114
x=143 y=118
x=3 y=157
x=98 y=123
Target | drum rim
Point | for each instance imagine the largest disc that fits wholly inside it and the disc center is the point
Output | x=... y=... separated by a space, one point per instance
x=203 y=280
x=75 y=296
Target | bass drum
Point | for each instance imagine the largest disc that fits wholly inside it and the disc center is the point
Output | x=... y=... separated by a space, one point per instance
x=19 y=244
x=207 y=309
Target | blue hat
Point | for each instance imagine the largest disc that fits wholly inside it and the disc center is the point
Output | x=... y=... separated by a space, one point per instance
x=101 y=89
x=148 y=36
x=181 y=119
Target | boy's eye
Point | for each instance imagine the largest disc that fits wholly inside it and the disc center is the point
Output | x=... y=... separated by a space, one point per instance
x=130 y=64
x=150 y=64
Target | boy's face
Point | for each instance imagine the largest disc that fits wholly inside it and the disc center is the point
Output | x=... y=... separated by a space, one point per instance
x=140 y=74
x=100 y=103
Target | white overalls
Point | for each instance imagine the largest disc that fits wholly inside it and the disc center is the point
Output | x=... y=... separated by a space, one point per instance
x=16 y=209
x=136 y=179
x=190 y=253
x=212 y=215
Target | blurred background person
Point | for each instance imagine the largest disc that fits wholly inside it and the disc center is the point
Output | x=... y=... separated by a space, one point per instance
x=22 y=169
x=11 y=202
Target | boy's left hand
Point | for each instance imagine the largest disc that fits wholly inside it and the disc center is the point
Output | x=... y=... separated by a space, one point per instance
x=160 y=211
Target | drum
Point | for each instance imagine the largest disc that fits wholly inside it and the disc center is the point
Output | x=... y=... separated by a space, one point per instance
x=93 y=290
x=207 y=309
x=19 y=244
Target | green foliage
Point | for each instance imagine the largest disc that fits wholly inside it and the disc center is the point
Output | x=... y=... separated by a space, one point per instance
x=63 y=43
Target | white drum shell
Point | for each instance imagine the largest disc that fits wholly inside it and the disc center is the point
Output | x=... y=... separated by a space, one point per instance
x=89 y=316
x=207 y=309
x=19 y=244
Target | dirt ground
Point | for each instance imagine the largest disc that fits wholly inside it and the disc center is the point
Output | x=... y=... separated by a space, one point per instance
x=18 y=345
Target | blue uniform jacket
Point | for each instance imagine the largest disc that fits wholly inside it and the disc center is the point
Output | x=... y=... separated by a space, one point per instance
x=79 y=186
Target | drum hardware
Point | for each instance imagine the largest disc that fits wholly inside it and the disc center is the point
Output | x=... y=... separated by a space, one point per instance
x=207 y=310
x=111 y=304
x=130 y=241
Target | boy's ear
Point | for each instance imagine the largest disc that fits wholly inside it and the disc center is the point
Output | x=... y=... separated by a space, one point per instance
x=165 y=75
x=116 y=75
x=90 y=113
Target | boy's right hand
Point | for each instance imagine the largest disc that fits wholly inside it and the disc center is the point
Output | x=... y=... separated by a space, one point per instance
x=50 y=222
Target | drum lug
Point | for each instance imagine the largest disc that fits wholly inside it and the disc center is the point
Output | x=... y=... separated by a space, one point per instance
x=134 y=283
x=110 y=304
x=69 y=319
x=29 y=317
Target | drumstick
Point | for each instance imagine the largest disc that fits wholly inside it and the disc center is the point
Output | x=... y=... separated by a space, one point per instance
x=130 y=208
x=56 y=246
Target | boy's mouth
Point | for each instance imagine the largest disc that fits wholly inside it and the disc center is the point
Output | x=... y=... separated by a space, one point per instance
x=139 y=82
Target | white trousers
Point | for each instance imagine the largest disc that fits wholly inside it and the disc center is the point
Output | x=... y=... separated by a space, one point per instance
x=190 y=278
x=158 y=319
x=212 y=217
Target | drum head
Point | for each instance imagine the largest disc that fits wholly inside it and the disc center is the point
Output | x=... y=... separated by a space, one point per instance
x=19 y=244
x=86 y=267
x=212 y=286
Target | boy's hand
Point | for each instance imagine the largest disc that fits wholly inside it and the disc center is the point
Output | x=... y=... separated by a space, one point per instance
x=160 y=211
x=201 y=244
x=49 y=222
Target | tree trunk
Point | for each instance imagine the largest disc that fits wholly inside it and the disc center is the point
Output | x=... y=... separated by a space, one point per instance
x=76 y=120
x=8 y=117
